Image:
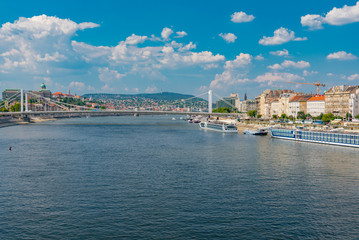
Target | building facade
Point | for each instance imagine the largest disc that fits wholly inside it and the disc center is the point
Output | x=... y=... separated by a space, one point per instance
x=316 y=105
x=341 y=100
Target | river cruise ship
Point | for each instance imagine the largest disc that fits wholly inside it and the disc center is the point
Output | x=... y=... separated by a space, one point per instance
x=219 y=127
x=330 y=137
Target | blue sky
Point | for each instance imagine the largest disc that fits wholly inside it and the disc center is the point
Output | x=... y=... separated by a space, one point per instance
x=178 y=46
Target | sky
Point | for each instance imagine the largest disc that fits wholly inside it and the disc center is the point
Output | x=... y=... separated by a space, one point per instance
x=187 y=47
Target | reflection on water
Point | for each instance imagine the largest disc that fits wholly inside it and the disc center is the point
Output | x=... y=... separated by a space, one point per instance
x=154 y=178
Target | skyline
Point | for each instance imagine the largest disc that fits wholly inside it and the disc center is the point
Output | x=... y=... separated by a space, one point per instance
x=118 y=47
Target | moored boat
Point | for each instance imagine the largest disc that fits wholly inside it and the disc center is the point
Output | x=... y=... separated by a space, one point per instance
x=219 y=127
x=329 y=137
x=255 y=132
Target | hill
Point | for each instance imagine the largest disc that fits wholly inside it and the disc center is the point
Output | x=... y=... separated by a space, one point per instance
x=164 y=96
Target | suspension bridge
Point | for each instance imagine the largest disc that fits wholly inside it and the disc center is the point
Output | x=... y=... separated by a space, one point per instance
x=66 y=110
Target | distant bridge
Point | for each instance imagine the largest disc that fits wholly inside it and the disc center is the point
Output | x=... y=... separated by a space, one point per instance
x=68 y=112
x=84 y=113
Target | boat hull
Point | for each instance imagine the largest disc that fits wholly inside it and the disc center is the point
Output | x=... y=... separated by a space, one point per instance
x=337 y=139
x=218 y=127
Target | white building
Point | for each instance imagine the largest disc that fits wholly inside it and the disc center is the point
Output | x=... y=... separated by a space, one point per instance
x=316 y=105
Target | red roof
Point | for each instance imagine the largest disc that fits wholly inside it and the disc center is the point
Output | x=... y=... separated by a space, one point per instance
x=317 y=98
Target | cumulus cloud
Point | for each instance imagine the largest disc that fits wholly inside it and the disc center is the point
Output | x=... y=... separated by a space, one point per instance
x=269 y=78
x=259 y=57
x=106 y=75
x=39 y=39
x=336 y=16
x=290 y=64
x=228 y=37
x=341 y=55
x=232 y=74
x=240 y=17
x=135 y=39
x=353 y=77
x=166 y=33
x=307 y=73
x=43 y=46
x=181 y=34
x=280 y=53
x=281 y=35
x=77 y=85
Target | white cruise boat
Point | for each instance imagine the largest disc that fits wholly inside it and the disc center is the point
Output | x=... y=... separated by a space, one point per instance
x=219 y=127
x=329 y=137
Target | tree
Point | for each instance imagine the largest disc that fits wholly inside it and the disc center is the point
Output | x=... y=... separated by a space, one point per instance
x=259 y=116
x=349 y=116
x=300 y=115
x=328 y=117
x=16 y=107
x=275 y=116
x=283 y=116
x=357 y=116
x=4 y=109
x=102 y=107
x=252 y=113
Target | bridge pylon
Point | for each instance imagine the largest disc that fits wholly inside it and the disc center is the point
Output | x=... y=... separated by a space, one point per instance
x=210 y=101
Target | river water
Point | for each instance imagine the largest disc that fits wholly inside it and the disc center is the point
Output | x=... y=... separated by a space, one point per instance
x=154 y=178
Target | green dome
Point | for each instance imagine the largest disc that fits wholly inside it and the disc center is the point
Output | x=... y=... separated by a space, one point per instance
x=42 y=86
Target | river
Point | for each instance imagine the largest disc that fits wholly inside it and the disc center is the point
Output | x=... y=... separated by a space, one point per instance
x=155 y=178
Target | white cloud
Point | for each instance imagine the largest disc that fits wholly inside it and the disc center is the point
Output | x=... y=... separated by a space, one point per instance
x=106 y=75
x=241 y=60
x=307 y=73
x=313 y=21
x=259 y=57
x=31 y=44
x=353 y=77
x=135 y=39
x=151 y=89
x=290 y=64
x=181 y=34
x=77 y=85
x=336 y=16
x=232 y=74
x=281 y=35
x=166 y=33
x=280 y=53
x=239 y=17
x=269 y=78
x=330 y=74
x=228 y=37
x=345 y=15
x=341 y=55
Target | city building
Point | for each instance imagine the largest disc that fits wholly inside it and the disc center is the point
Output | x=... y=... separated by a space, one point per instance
x=316 y=105
x=230 y=102
x=284 y=103
x=43 y=92
x=298 y=104
x=247 y=105
x=341 y=100
x=9 y=93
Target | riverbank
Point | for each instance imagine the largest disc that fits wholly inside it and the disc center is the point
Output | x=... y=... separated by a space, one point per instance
x=8 y=122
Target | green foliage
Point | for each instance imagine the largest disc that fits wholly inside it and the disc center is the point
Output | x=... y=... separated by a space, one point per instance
x=357 y=116
x=4 y=109
x=348 y=115
x=102 y=107
x=283 y=116
x=73 y=101
x=319 y=117
x=301 y=115
x=252 y=113
x=275 y=116
x=16 y=107
x=259 y=116
x=222 y=110
x=328 y=117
